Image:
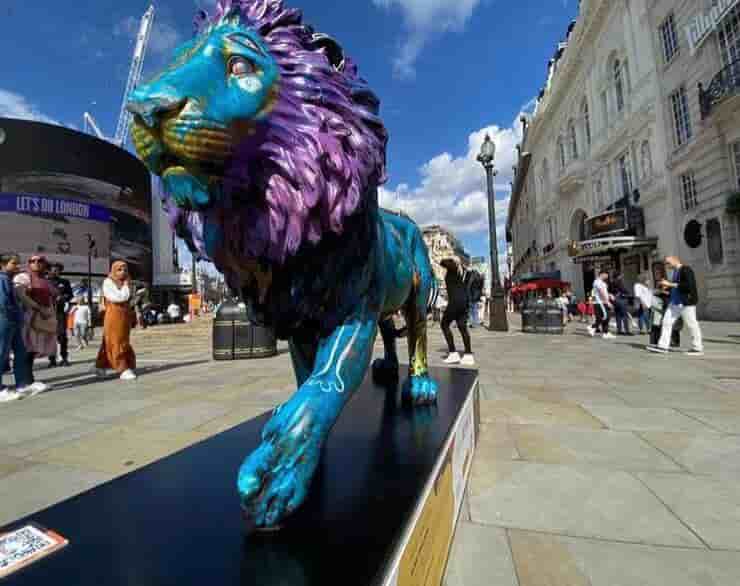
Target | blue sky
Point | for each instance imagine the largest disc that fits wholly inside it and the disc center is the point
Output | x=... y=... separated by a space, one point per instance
x=446 y=72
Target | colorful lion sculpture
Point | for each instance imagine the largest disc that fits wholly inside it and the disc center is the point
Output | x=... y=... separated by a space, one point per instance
x=270 y=151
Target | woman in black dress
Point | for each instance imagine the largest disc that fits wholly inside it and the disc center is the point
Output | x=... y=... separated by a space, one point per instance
x=457 y=311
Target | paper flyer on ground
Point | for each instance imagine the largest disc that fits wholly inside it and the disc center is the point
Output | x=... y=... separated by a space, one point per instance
x=26 y=545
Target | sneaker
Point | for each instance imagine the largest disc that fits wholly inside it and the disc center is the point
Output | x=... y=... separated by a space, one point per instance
x=452 y=358
x=695 y=353
x=467 y=360
x=591 y=331
x=128 y=375
x=100 y=372
x=656 y=349
x=33 y=389
x=7 y=395
x=608 y=336
x=65 y=363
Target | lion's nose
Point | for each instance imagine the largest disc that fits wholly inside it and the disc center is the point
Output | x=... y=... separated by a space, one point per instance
x=150 y=105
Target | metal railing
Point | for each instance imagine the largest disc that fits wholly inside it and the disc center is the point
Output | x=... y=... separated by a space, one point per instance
x=723 y=85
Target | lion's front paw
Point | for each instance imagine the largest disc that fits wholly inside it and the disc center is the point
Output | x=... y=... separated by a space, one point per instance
x=274 y=479
x=420 y=390
x=385 y=372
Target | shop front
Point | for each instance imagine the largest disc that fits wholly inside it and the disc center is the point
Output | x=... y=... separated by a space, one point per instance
x=615 y=242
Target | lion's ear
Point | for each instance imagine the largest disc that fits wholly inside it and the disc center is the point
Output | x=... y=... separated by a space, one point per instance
x=332 y=49
x=233 y=15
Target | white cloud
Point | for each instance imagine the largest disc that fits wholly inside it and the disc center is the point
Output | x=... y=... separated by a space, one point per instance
x=423 y=20
x=14 y=105
x=163 y=38
x=452 y=189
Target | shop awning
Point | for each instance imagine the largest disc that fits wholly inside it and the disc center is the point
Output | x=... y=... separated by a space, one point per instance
x=598 y=248
x=541 y=284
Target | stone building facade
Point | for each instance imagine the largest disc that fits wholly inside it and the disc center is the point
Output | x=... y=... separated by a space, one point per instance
x=442 y=244
x=626 y=158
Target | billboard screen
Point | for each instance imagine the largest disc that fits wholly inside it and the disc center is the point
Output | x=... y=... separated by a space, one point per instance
x=57 y=186
x=60 y=229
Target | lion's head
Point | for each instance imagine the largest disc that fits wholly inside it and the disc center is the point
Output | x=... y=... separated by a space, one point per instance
x=263 y=133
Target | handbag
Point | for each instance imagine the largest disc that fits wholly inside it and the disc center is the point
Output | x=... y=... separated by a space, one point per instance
x=46 y=325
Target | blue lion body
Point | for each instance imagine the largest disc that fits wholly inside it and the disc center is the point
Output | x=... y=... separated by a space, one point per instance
x=292 y=221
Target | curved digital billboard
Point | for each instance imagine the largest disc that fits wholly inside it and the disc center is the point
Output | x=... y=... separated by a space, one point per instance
x=74 y=198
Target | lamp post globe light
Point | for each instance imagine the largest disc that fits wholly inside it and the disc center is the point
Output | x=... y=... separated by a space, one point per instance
x=497 y=306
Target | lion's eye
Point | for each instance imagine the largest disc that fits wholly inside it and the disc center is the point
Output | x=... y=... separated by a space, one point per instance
x=239 y=67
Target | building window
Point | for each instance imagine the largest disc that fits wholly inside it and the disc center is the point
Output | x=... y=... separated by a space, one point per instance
x=586 y=122
x=736 y=160
x=625 y=174
x=598 y=195
x=561 y=153
x=573 y=140
x=646 y=160
x=688 y=191
x=729 y=37
x=605 y=108
x=619 y=84
x=714 y=241
x=669 y=38
x=681 y=117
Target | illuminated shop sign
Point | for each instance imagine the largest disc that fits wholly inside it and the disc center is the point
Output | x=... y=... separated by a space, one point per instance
x=608 y=223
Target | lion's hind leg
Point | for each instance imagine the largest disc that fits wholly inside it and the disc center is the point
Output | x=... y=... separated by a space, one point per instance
x=420 y=388
x=385 y=370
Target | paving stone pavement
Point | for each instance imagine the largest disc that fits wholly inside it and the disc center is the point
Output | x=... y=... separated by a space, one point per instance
x=598 y=463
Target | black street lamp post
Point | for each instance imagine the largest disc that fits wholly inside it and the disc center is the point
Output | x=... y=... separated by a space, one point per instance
x=90 y=246
x=497 y=306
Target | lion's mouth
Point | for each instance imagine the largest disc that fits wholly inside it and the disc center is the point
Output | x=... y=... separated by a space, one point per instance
x=181 y=142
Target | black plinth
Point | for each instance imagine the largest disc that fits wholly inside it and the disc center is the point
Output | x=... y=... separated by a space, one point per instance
x=177 y=521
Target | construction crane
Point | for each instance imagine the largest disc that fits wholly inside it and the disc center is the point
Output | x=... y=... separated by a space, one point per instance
x=134 y=75
x=91 y=124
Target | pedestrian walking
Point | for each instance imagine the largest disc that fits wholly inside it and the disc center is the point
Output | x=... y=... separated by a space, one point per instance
x=682 y=302
x=602 y=306
x=63 y=299
x=116 y=351
x=457 y=311
x=82 y=324
x=11 y=335
x=644 y=301
x=621 y=300
x=474 y=284
x=37 y=295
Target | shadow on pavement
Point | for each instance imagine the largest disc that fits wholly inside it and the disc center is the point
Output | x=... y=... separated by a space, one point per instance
x=90 y=378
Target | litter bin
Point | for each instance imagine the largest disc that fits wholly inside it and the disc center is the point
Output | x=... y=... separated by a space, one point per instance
x=236 y=336
x=553 y=318
x=528 y=324
x=542 y=316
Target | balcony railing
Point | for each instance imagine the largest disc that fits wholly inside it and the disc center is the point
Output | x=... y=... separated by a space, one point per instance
x=725 y=84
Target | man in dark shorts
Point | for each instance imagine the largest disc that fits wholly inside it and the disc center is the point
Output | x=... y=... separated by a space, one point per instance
x=66 y=295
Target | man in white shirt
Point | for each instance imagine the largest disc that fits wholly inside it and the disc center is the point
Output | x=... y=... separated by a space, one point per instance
x=82 y=323
x=602 y=306
x=644 y=296
x=174 y=312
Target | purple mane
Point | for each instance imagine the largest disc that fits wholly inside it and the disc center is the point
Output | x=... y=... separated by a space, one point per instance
x=312 y=160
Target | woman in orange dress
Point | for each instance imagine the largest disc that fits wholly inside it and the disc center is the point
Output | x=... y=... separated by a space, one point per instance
x=115 y=351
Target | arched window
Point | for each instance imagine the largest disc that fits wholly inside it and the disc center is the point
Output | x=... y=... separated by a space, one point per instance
x=646 y=161
x=598 y=195
x=619 y=84
x=586 y=122
x=572 y=139
x=561 y=153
